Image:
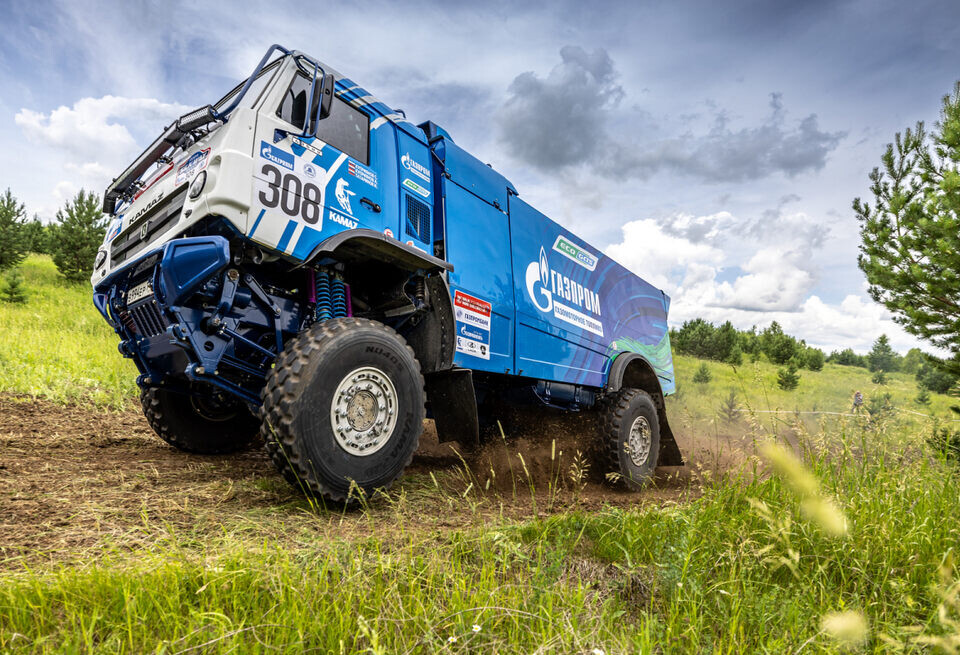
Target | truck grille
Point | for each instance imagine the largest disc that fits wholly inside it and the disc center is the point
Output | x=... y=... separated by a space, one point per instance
x=148 y=318
x=418 y=219
x=146 y=230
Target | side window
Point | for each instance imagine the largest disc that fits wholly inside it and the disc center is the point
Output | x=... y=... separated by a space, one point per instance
x=346 y=129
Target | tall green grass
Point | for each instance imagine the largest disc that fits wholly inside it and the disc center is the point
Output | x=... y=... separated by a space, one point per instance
x=741 y=569
x=57 y=346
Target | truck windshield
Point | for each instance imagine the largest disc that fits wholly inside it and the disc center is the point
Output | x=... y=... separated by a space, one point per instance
x=253 y=93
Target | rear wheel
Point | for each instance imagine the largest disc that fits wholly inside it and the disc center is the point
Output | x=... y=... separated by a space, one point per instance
x=199 y=423
x=630 y=430
x=343 y=406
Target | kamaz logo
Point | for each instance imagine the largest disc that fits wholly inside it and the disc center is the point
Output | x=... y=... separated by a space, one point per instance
x=276 y=155
x=416 y=168
x=147 y=207
x=143 y=231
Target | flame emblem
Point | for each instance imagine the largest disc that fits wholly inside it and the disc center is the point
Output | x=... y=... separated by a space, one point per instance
x=544 y=268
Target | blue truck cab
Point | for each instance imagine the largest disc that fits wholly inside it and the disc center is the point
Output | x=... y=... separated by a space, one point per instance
x=299 y=263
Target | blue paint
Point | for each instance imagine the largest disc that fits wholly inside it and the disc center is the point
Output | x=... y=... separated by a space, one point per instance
x=256 y=223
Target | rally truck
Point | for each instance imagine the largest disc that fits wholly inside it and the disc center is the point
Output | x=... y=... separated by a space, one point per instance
x=300 y=264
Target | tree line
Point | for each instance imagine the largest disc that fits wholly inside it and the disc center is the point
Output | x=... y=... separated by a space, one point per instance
x=72 y=240
x=725 y=343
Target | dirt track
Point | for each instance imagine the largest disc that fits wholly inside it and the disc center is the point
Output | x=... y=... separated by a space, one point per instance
x=77 y=482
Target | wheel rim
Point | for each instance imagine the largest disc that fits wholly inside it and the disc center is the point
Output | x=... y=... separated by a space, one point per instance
x=212 y=409
x=364 y=411
x=638 y=443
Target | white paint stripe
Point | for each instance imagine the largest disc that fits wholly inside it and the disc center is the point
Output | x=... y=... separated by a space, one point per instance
x=297 y=233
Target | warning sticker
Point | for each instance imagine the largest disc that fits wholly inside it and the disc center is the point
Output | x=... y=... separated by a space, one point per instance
x=473 y=325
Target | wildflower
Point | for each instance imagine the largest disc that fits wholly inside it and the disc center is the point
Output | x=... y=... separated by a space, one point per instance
x=597 y=651
x=476 y=628
x=452 y=639
x=848 y=628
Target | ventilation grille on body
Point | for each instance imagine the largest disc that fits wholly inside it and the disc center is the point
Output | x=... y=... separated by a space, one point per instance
x=418 y=219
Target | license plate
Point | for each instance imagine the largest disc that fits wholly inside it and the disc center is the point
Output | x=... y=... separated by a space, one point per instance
x=140 y=291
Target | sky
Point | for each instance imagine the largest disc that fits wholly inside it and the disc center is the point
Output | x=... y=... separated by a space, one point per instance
x=714 y=148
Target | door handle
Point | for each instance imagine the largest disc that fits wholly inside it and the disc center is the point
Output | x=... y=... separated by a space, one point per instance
x=374 y=207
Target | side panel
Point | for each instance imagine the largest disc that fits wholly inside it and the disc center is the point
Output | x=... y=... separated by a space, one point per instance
x=416 y=193
x=478 y=245
x=305 y=190
x=577 y=308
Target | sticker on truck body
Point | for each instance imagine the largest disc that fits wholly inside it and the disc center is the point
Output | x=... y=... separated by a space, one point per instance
x=472 y=322
x=194 y=164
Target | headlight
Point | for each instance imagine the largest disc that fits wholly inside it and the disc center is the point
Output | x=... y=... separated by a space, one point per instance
x=196 y=187
x=101 y=258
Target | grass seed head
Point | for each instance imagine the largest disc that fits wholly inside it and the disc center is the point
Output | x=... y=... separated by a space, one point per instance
x=847 y=628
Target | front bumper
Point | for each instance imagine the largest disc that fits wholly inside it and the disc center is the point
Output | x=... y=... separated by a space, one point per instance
x=186 y=316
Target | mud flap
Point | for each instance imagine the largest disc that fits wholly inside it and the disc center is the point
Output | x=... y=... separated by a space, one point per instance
x=454 y=405
x=669 y=451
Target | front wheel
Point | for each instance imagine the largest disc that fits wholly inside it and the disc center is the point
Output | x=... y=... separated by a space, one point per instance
x=630 y=430
x=343 y=406
x=200 y=422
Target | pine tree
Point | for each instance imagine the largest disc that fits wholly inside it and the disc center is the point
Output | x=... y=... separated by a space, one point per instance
x=882 y=357
x=787 y=378
x=78 y=235
x=729 y=408
x=780 y=348
x=879 y=377
x=702 y=376
x=13 y=289
x=923 y=397
x=813 y=359
x=37 y=236
x=910 y=235
x=13 y=238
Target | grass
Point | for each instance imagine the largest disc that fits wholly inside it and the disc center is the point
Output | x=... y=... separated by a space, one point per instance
x=740 y=569
x=747 y=564
x=57 y=346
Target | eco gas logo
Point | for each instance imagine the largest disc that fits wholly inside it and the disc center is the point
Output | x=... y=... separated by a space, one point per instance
x=572 y=251
x=547 y=288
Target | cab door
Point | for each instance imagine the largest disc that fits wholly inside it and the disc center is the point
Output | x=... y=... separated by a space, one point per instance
x=307 y=189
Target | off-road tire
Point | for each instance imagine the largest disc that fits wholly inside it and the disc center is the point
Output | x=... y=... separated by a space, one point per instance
x=298 y=398
x=177 y=419
x=618 y=414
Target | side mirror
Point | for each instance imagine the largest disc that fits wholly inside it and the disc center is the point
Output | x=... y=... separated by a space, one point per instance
x=322 y=101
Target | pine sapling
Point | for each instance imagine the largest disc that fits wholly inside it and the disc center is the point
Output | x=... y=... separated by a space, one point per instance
x=13 y=289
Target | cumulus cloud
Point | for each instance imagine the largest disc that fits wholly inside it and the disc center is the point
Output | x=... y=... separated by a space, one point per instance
x=557 y=121
x=567 y=118
x=720 y=268
x=94 y=131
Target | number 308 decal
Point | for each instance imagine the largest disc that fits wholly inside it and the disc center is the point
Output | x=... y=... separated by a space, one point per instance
x=293 y=197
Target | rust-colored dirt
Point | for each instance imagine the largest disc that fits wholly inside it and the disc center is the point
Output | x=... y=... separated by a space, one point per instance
x=78 y=482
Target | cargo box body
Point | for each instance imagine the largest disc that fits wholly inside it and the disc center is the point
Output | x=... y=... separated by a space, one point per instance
x=531 y=298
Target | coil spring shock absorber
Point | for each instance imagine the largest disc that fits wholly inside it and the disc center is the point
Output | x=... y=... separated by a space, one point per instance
x=324 y=309
x=339 y=294
x=420 y=292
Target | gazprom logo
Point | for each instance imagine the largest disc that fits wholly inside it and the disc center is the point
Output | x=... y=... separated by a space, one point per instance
x=538 y=274
x=276 y=155
x=544 y=268
x=414 y=167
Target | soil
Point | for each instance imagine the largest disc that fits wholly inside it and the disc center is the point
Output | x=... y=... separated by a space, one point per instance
x=78 y=483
